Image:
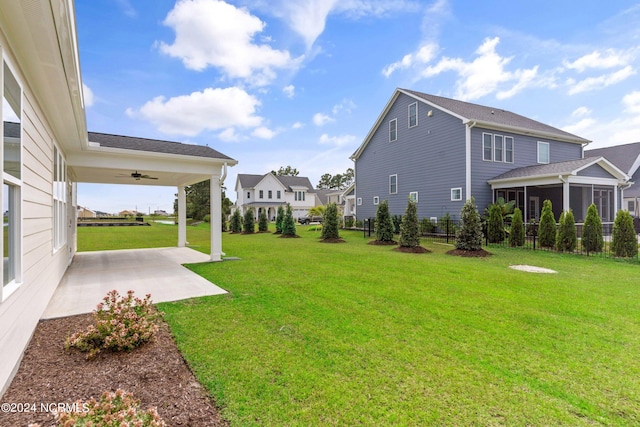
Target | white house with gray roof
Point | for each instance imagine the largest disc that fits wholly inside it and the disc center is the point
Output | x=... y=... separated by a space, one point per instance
x=267 y=192
x=440 y=152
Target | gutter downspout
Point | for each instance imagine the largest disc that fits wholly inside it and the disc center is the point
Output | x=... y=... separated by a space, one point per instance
x=467 y=180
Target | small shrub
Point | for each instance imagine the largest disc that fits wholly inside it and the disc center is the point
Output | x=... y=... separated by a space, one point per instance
x=516 y=236
x=236 y=222
x=397 y=221
x=349 y=222
x=330 y=222
x=409 y=231
x=207 y=218
x=446 y=225
x=426 y=226
x=122 y=324
x=279 y=220
x=359 y=223
x=263 y=222
x=566 y=238
x=384 y=225
x=624 y=242
x=113 y=409
x=547 y=227
x=469 y=237
x=495 y=225
x=288 y=224
x=592 y=240
x=249 y=225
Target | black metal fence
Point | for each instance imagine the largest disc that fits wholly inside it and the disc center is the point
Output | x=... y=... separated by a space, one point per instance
x=444 y=231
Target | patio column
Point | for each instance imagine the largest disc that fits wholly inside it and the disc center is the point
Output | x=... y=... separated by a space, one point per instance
x=216 y=218
x=565 y=194
x=182 y=217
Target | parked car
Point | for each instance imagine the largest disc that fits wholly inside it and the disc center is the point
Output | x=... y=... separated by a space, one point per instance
x=309 y=219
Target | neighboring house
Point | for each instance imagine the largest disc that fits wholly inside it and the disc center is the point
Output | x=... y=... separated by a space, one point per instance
x=440 y=152
x=47 y=150
x=349 y=197
x=86 y=213
x=267 y=192
x=627 y=158
x=344 y=199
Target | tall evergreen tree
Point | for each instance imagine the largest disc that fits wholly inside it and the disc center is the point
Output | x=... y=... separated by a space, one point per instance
x=249 y=225
x=409 y=228
x=592 y=240
x=384 y=224
x=236 y=222
x=547 y=227
x=330 y=222
x=495 y=225
x=279 y=220
x=469 y=237
x=566 y=238
x=516 y=236
x=625 y=241
x=288 y=224
x=263 y=222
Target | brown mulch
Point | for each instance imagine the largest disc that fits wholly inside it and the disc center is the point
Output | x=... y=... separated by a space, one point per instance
x=382 y=243
x=155 y=373
x=414 y=250
x=332 y=240
x=288 y=236
x=469 y=254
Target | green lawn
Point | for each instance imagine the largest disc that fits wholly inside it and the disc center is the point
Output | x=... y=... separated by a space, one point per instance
x=352 y=334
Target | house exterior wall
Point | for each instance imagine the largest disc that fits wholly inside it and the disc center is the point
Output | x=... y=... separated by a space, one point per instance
x=595 y=171
x=428 y=159
x=42 y=267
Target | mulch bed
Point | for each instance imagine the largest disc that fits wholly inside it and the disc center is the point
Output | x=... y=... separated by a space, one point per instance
x=332 y=240
x=382 y=243
x=288 y=236
x=155 y=373
x=414 y=250
x=469 y=254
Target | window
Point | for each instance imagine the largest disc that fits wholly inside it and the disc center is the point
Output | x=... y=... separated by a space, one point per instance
x=413 y=115
x=12 y=182
x=376 y=200
x=59 y=199
x=393 y=130
x=248 y=194
x=278 y=194
x=393 y=184
x=631 y=206
x=456 y=194
x=299 y=196
x=487 y=147
x=270 y=194
x=359 y=201
x=498 y=148
x=508 y=149
x=413 y=196
x=543 y=152
x=261 y=194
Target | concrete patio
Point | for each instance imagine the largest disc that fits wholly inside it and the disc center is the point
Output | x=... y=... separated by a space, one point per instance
x=158 y=272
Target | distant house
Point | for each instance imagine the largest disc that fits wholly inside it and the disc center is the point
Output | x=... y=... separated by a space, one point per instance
x=267 y=192
x=86 y=213
x=440 y=152
x=627 y=158
x=344 y=199
x=160 y=212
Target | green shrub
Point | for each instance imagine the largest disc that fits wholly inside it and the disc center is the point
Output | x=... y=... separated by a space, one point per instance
x=288 y=224
x=516 y=236
x=263 y=222
x=207 y=218
x=249 y=225
x=349 y=222
x=409 y=231
x=113 y=409
x=397 y=221
x=330 y=222
x=279 y=220
x=359 y=223
x=625 y=240
x=121 y=324
x=236 y=222
x=495 y=225
x=426 y=226
x=447 y=225
x=547 y=227
x=592 y=240
x=566 y=238
x=384 y=224
x=469 y=237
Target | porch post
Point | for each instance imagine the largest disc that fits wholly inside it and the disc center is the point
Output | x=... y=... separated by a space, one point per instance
x=182 y=217
x=615 y=200
x=216 y=218
x=565 y=194
x=525 y=208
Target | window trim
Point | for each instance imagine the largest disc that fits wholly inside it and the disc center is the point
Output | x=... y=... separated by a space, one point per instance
x=544 y=144
x=395 y=130
x=60 y=202
x=261 y=194
x=270 y=194
x=484 y=141
x=498 y=147
x=459 y=191
x=395 y=184
x=415 y=115
x=412 y=198
x=376 y=200
x=512 y=151
x=359 y=201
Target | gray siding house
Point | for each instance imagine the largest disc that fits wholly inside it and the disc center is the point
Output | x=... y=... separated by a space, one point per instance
x=440 y=152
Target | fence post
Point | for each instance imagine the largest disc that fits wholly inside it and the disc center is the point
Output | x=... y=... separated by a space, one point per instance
x=447 y=227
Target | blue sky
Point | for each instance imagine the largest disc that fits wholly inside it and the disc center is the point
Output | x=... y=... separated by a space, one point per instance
x=279 y=82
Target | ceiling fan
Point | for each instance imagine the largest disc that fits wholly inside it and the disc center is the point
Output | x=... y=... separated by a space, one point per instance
x=137 y=176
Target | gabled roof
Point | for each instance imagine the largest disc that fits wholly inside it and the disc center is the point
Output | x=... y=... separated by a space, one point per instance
x=250 y=181
x=154 y=146
x=477 y=115
x=626 y=157
x=571 y=167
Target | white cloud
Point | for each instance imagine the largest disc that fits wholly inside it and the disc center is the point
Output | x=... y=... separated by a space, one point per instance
x=263 y=132
x=229 y=135
x=289 y=91
x=297 y=125
x=338 y=141
x=88 y=95
x=320 y=119
x=215 y=33
x=610 y=58
x=581 y=112
x=600 y=82
x=423 y=55
x=631 y=102
x=127 y=8
x=346 y=105
x=211 y=109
